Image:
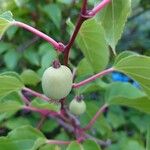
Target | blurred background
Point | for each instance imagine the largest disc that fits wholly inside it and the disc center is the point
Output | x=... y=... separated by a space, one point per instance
x=22 y=52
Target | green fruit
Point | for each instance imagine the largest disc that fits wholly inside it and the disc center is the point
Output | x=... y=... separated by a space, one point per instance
x=57 y=82
x=77 y=107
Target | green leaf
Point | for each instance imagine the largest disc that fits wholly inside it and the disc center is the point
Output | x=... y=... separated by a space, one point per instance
x=11 y=32
x=16 y=122
x=38 y=143
x=7 y=144
x=32 y=57
x=89 y=145
x=148 y=140
x=116 y=117
x=49 y=125
x=12 y=74
x=5 y=22
x=84 y=68
x=138 y=68
x=74 y=146
x=11 y=59
x=45 y=105
x=54 y=13
x=124 y=55
x=93 y=45
x=48 y=58
x=10 y=106
x=9 y=84
x=127 y=95
x=25 y=137
x=132 y=144
x=113 y=18
x=5 y=46
x=29 y=77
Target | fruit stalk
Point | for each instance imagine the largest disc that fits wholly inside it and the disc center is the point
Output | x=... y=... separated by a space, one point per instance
x=92 y=78
x=98 y=8
x=91 y=123
x=56 y=45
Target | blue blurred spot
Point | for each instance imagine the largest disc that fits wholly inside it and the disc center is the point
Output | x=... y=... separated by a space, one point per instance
x=117 y=76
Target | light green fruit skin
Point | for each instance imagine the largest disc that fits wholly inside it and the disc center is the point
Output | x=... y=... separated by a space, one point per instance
x=57 y=82
x=76 y=107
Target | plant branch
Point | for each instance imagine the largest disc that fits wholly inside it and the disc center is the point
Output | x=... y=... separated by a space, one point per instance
x=98 y=8
x=34 y=93
x=93 y=120
x=84 y=7
x=92 y=78
x=82 y=17
x=56 y=45
x=69 y=128
x=25 y=100
x=44 y=112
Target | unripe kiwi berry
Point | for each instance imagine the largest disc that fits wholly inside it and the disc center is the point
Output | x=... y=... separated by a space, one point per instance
x=77 y=106
x=57 y=81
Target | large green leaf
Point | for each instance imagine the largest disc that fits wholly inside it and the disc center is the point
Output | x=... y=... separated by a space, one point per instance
x=5 y=22
x=9 y=84
x=16 y=122
x=138 y=68
x=7 y=144
x=89 y=145
x=132 y=144
x=92 y=43
x=74 y=146
x=127 y=95
x=113 y=18
x=25 y=137
x=123 y=55
x=9 y=106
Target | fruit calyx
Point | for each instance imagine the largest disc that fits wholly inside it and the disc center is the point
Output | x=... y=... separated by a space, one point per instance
x=56 y=64
x=79 y=98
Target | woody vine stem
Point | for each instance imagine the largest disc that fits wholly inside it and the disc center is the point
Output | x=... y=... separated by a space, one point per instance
x=65 y=119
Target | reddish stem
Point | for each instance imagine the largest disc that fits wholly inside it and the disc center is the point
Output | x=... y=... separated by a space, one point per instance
x=36 y=94
x=72 y=39
x=91 y=123
x=99 y=7
x=58 y=142
x=25 y=100
x=81 y=19
x=84 y=7
x=44 y=112
x=56 y=45
x=92 y=78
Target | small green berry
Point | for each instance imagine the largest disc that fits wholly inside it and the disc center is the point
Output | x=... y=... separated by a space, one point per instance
x=77 y=107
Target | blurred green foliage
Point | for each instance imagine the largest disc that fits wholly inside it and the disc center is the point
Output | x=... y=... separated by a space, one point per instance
x=28 y=55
